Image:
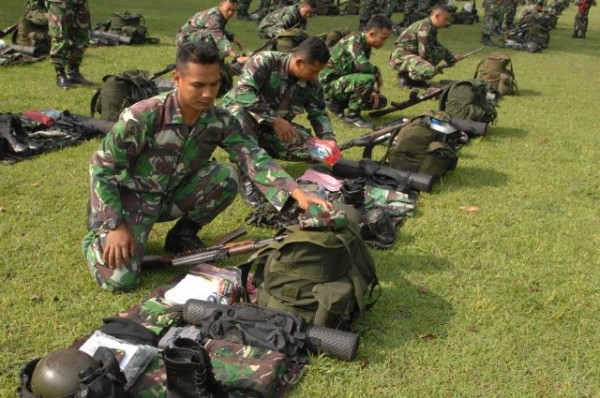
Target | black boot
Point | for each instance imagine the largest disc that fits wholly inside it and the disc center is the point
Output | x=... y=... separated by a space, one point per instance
x=190 y=374
x=575 y=35
x=183 y=237
x=487 y=40
x=354 y=119
x=582 y=34
x=61 y=79
x=249 y=191
x=75 y=77
x=407 y=82
x=334 y=108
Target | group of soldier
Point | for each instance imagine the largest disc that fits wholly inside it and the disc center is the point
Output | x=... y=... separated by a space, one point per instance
x=156 y=164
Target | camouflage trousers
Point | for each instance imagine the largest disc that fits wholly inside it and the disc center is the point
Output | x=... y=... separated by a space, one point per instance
x=69 y=27
x=268 y=140
x=368 y=8
x=510 y=12
x=243 y=6
x=581 y=22
x=204 y=195
x=352 y=91
x=417 y=67
x=491 y=19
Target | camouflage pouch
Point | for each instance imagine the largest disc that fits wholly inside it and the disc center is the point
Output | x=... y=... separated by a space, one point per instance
x=246 y=370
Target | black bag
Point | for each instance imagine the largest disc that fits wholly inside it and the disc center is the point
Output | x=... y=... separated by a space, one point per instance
x=120 y=91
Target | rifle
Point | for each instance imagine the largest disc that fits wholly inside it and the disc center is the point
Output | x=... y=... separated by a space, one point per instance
x=368 y=141
x=110 y=39
x=27 y=50
x=161 y=72
x=413 y=99
x=269 y=328
x=10 y=29
x=219 y=250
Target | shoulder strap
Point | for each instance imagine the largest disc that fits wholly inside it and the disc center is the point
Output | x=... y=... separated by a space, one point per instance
x=478 y=68
x=94 y=103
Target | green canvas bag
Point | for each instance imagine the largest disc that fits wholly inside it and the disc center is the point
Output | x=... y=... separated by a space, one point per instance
x=327 y=277
x=120 y=91
x=497 y=70
x=417 y=148
x=129 y=24
x=470 y=100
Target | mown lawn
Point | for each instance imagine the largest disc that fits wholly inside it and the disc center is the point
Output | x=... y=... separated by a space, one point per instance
x=497 y=302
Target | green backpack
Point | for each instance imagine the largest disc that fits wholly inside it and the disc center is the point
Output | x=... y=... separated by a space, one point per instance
x=130 y=24
x=470 y=100
x=496 y=70
x=120 y=91
x=417 y=148
x=327 y=277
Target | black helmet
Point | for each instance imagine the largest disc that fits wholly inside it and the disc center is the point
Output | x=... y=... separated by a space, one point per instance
x=59 y=373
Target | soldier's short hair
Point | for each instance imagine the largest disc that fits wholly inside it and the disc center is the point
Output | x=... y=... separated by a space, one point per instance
x=313 y=49
x=231 y=1
x=379 y=22
x=198 y=52
x=312 y=3
x=441 y=7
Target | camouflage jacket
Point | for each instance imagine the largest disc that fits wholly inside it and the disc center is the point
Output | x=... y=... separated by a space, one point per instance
x=349 y=55
x=529 y=14
x=420 y=39
x=267 y=90
x=280 y=20
x=151 y=151
x=207 y=25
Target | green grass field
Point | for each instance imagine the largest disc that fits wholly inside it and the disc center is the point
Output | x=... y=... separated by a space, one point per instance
x=498 y=302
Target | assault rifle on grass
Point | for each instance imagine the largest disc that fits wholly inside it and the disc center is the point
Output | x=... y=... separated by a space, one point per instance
x=369 y=140
x=218 y=251
x=416 y=98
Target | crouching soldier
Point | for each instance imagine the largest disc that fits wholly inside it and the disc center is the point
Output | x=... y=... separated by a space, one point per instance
x=155 y=165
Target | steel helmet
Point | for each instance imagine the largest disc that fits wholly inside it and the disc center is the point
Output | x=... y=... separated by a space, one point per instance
x=59 y=373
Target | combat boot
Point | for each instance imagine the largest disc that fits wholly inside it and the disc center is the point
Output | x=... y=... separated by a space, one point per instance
x=75 y=77
x=407 y=82
x=61 y=79
x=334 y=108
x=581 y=34
x=353 y=118
x=183 y=237
x=190 y=373
x=575 y=35
x=487 y=40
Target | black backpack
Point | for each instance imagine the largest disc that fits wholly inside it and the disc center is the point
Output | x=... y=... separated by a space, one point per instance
x=120 y=91
x=470 y=100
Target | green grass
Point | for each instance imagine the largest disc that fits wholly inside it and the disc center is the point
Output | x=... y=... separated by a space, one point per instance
x=501 y=302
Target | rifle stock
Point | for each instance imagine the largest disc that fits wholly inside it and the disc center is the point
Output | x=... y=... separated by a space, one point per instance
x=369 y=139
x=8 y=30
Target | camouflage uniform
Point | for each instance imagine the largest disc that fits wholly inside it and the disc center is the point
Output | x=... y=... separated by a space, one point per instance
x=510 y=8
x=418 y=51
x=581 y=18
x=350 y=78
x=151 y=168
x=34 y=9
x=243 y=6
x=529 y=14
x=208 y=25
x=368 y=8
x=69 y=24
x=491 y=17
x=265 y=91
x=286 y=26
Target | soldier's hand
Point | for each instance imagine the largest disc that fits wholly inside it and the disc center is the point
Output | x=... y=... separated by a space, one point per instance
x=458 y=57
x=119 y=247
x=379 y=83
x=375 y=99
x=285 y=130
x=238 y=43
x=304 y=200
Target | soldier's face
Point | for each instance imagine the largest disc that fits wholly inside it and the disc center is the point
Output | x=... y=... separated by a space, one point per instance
x=227 y=9
x=305 y=71
x=197 y=86
x=440 y=19
x=376 y=38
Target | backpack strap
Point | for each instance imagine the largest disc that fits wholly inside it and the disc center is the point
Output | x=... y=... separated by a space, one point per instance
x=95 y=102
x=478 y=68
